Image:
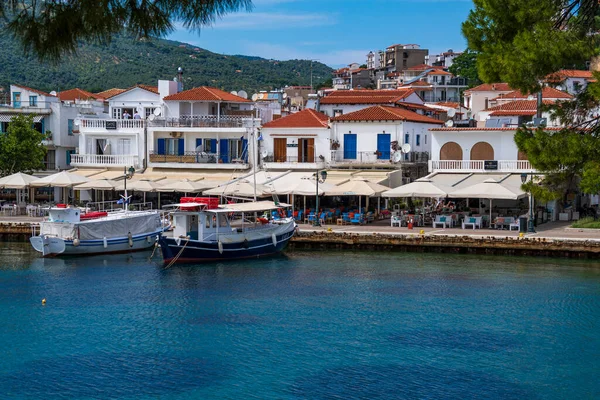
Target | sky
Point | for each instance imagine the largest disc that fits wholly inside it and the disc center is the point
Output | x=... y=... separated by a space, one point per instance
x=334 y=32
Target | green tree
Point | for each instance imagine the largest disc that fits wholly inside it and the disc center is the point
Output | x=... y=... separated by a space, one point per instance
x=21 y=148
x=522 y=42
x=50 y=28
x=465 y=66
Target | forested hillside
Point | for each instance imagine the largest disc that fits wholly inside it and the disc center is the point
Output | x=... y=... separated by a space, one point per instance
x=127 y=61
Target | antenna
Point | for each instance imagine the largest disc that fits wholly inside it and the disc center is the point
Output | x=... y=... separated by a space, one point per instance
x=397 y=157
x=406 y=148
x=449 y=123
x=233 y=92
x=242 y=94
x=264 y=154
x=451 y=112
x=151 y=117
x=157 y=112
x=254 y=97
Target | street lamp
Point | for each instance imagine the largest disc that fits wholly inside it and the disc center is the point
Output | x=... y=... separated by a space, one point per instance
x=322 y=180
x=530 y=227
x=127 y=174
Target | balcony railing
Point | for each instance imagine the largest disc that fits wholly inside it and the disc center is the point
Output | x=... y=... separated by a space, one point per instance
x=103 y=159
x=193 y=157
x=204 y=121
x=371 y=157
x=289 y=159
x=112 y=124
x=480 y=166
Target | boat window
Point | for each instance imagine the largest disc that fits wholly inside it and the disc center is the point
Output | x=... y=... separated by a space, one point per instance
x=207 y=222
x=223 y=220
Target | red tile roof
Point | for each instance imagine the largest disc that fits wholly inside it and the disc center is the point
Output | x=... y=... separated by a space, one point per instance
x=307 y=118
x=438 y=72
x=569 y=73
x=107 y=94
x=78 y=94
x=450 y=104
x=34 y=90
x=153 y=89
x=205 y=93
x=424 y=67
x=381 y=113
x=547 y=93
x=367 y=96
x=417 y=83
x=519 y=107
x=490 y=87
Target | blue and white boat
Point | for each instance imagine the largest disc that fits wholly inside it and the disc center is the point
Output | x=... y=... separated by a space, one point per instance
x=227 y=232
x=68 y=232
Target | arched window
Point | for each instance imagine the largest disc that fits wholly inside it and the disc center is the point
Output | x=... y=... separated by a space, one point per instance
x=451 y=151
x=482 y=151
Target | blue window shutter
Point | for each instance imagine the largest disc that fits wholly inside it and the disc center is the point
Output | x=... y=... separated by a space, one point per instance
x=418 y=141
x=213 y=146
x=245 y=149
x=198 y=142
x=406 y=138
x=161 y=147
x=224 y=150
x=181 y=147
x=68 y=157
x=70 y=127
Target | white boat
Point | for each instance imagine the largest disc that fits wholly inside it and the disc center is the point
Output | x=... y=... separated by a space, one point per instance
x=68 y=232
x=203 y=233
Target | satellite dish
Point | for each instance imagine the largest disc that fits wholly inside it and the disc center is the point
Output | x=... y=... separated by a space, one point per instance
x=233 y=92
x=157 y=112
x=285 y=96
x=451 y=112
x=77 y=121
x=151 y=117
x=264 y=154
x=242 y=94
x=397 y=157
x=449 y=123
x=406 y=148
x=53 y=93
x=254 y=97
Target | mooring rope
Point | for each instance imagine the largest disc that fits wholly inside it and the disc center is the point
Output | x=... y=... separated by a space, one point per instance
x=174 y=260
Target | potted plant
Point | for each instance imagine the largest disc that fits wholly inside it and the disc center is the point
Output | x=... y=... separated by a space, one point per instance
x=48 y=135
x=335 y=145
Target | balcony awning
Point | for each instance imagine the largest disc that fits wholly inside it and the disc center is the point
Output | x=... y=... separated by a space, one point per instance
x=468 y=185
x=8 y=117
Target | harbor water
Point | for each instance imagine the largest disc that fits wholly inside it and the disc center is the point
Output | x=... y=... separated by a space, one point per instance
x=304 y=325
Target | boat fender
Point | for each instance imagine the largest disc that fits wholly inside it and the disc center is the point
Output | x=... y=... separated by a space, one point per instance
x=246 y=244
x=220 y=247
x=274 y=238
x=178 y=241
x=130 y=238
x=105 y=242
x=75 y=242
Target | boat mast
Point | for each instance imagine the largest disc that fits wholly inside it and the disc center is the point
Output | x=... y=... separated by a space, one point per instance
x=254 y=156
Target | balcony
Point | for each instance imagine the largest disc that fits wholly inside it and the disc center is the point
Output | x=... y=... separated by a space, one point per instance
x=341 y=157
x=103 y=160
x=294 y=163
x=480 y=166
x=201 y=121
x=193 y=159
x=108 y=125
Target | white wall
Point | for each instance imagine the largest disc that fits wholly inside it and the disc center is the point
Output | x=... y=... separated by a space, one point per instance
x=134 y=98
x=502 y=141
x=322 y=140
x=477 y=102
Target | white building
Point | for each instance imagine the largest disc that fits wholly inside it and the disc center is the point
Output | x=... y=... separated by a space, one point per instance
x=446 y=59
x=478 y=98
x=372 y=136
x=570 y=80
x=346 y=101
x=297 y=142
x=54 y=116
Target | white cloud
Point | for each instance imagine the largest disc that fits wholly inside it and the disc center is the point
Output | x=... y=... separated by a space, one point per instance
x=271 y=20
x=281 y=52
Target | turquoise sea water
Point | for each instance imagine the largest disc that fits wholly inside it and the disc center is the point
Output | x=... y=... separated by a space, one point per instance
x=307 y=325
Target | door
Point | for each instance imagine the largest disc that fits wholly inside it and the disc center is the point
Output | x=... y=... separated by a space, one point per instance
x=224 y=151
x=306 y=150
x=280 y=150
x=384 y=143
x=161 y=147
x=350 y=146
x=245 y=150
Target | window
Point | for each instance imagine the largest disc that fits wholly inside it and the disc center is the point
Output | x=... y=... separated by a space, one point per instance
x=70 y=127
x=171 y=146
x=148 y=111
x=425 y=139
x=33 y=101
x=337 y=113
x=406 y=138
x=16 y=99
x=124 y=146
x=3 y=127
x=576 y=87
x=487 y=103
x=116 y=113
x=69 y=154
x=418 y=141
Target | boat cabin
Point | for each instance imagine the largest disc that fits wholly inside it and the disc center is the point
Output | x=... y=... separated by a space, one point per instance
x=63 y=214
x=204 y=225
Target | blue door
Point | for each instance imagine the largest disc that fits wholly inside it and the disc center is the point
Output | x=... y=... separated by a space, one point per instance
x=198 y=144
x=384 y=143
x=213 y=146
x=16 y=99
x=224 y=150
x=181 y=147
x=350 y=146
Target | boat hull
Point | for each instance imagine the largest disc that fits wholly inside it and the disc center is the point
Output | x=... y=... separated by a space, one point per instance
x=51 y=246
x=184 y=251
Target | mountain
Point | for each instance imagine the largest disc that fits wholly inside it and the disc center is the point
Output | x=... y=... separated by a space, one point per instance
x=127 y=61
